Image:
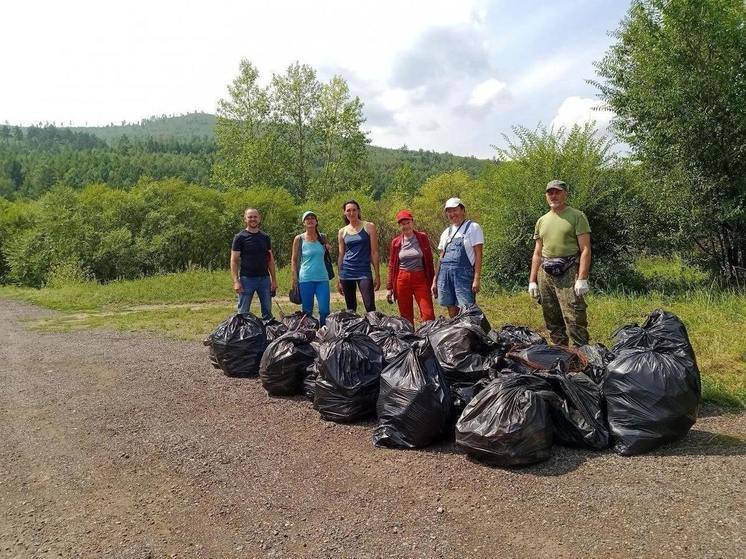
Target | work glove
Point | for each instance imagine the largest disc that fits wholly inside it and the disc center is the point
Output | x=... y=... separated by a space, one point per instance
x=533 y=290
x=581 y=287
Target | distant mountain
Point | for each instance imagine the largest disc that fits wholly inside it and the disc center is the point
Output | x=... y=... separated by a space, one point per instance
x=180 y=146
x=384 y=161
x=181 y=127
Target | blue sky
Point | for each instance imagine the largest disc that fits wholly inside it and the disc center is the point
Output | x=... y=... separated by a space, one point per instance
x=441 y=75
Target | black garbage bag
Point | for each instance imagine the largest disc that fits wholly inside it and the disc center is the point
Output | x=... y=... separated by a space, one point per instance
x=473 y=315
x=598 y=359
x=274 y=329
x=651 y=398
x=545 y=357
x=393 y=323
x=237 y=345
x=340 y=322
x=426 y=328
x=462 y=349
x=510 y=336
x=309 y=381
x=414 y=403
x=500 y=364
x=392 y=343
x=300 y=321
x=348 y=379
x=463 y=392
x=508 y=423
x=211 y=354
x=662 y=331
x=284 y=364
x=577 y=411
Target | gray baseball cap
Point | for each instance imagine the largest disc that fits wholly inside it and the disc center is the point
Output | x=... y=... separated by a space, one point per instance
x=558 y=184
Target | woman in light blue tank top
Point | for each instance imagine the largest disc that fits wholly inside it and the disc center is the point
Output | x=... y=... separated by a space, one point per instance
x=358 y=249
x=308 y=268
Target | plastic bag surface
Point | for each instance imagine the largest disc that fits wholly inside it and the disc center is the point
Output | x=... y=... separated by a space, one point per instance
x=237 y=345
x=652 y=398
x=508 y=423
x=348 y=379
x=414 y=403
x=578 y=411
x=393 y=323
x=284 y=364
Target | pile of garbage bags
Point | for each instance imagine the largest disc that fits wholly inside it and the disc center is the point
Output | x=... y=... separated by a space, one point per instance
x=505 y=395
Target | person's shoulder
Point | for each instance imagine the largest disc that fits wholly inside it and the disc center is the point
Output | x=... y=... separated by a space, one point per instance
x=576 y=211
x=475 y=225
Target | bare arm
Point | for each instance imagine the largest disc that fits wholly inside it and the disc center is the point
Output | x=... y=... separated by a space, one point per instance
x=235 y=266
x=374 y=255
x=340 y=257
x=272 y=272
x=436 y=269
x=535 y=262
x=295 y=259
x=584 y=242
x=476 y=284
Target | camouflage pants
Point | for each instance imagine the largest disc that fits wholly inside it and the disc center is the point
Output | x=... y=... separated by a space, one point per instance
x=564 y=312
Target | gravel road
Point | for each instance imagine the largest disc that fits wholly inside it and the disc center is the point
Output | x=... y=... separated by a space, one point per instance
x=123 y=445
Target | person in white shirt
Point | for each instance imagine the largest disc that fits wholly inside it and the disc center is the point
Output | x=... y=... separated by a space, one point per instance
x=458 y=273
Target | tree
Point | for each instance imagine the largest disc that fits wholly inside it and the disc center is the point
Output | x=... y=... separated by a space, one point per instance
x=676 y=79
x=405 y=182
x=342 y=143
x=249 y=148
x=513 y=199
x=295 y=99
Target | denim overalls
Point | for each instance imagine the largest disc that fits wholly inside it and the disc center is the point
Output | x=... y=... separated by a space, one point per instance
x=456 y=274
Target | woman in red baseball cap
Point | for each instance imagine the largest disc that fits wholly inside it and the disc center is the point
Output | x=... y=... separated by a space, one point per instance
x=411 y=270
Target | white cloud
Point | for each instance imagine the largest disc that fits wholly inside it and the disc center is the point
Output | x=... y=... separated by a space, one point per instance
x=487 y=93
x=582 y=110
x=542 y=75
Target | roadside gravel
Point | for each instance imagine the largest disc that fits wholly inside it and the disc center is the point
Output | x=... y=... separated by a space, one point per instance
x=123 y=445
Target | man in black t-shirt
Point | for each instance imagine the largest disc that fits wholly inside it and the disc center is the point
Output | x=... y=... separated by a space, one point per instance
x=253 y=266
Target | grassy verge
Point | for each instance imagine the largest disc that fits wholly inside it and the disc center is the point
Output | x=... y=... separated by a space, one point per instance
x=189 y=305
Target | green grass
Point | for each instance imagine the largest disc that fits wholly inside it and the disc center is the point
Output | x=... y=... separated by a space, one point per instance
x=670 y=274
x=189 y=305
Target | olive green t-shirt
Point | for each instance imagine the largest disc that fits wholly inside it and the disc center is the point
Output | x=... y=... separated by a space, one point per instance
x=559 y=232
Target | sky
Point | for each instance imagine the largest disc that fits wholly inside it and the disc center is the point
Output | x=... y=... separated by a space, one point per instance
x=437 y=75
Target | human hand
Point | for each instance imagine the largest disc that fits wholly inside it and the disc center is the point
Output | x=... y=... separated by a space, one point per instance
x=273 y=285
x=475 y=285
x=533 y=290
x=581 y=287
x=434 y=290
x=376 y=284
x=390 y=297
x=237 y=287
x=339 y=288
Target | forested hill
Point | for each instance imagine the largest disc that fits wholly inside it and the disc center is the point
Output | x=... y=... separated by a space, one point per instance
x=35 y=158
x=384 y=161
x=181 y=127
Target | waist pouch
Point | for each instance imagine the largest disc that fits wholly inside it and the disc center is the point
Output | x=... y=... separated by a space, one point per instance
x=558 y=266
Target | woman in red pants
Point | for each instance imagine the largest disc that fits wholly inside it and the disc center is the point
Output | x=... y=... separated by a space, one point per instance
x=411 y=270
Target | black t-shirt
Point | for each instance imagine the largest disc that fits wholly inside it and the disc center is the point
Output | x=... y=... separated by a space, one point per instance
x=254 y=249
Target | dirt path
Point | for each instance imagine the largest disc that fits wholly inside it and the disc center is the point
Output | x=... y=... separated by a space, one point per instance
x=120 y=445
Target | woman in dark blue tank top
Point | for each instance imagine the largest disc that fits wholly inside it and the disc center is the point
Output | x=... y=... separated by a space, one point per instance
x=358 y=249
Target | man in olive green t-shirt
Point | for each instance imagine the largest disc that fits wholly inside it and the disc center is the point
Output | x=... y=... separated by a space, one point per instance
x=560 y=266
